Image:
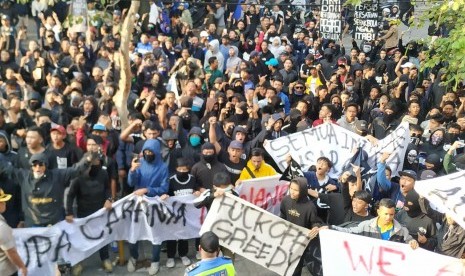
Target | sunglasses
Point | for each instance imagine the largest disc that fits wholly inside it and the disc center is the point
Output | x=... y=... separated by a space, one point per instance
x=50 y=36
x=299 y=87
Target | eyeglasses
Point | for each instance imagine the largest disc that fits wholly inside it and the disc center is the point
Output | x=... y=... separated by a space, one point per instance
x=40 y=164
x=299 y=87
x=50 y=36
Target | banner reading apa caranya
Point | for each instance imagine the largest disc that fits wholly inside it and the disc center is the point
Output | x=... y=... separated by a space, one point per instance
x=339 y=145
x=255 y=234
x=446 y=193
x=264 y=192
x=132 y=218
x=347 y=254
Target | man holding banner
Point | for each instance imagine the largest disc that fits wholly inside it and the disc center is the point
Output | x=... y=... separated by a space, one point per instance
x=381 y=227
x=298 y=209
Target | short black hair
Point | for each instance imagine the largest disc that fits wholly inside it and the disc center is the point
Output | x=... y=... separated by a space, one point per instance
x=326 y=159
x=257 y=152
x=221 y=178
x=387 y=203
x=363 y=195
x=209 y=242
x=351 y=179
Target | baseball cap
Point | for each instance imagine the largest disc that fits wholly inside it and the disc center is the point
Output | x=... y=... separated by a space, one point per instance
x=4 y=197
x=408 y=173
x=5 y=17
x=361 y=125
x=203 y=34
x=99 y=127
x=209 y=242
x=310 y=57
x=254 y=54
x=407 y=65
x=236 y=145
x=427 y=174
x=272 y=62
x=58 y=128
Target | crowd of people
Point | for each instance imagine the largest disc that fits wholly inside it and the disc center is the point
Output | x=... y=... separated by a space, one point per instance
x=210 y=85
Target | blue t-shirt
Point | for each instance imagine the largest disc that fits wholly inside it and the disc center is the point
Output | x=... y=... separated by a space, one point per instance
x=215 y=267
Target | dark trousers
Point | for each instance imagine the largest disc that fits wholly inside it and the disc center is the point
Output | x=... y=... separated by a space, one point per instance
x=182 y=248
x=298 y=268
x=103 y=252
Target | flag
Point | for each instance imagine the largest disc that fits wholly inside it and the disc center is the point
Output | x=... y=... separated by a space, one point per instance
x=292 y=171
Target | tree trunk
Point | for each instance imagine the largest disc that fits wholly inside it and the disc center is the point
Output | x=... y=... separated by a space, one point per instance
x=121 y=97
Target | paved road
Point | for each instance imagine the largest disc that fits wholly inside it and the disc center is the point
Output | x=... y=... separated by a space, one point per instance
x=92 y=266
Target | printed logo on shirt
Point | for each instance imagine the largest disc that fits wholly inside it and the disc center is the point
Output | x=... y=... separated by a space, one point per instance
x=294 y=213
x=62 y=163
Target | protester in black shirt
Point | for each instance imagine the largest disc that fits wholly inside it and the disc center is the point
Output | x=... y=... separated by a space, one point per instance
x=182 y=183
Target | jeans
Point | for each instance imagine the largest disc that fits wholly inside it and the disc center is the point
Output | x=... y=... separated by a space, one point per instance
x=182 y=246
x=156 y=249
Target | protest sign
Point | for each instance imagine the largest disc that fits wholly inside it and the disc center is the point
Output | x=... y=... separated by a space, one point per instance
x=132 y=218
x=446 y=193
x=330 y=19
x=264 y=192
x=357 y=255
x=366 y=21
x=255 y=234
x=77 y=19
x=339 y=145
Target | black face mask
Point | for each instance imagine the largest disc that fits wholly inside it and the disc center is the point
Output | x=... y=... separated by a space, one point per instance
x=182 y=176
x=149 y=158
x=34 y=105
x=414 y=210
x=94 y=169
x=450 y=138
x=388 y=118
x=46 y=127
x=209 y=158
x=242 y=117
x=229 y=131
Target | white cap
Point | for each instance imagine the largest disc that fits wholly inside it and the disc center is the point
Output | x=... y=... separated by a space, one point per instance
x=203 y=34
x=407 y=65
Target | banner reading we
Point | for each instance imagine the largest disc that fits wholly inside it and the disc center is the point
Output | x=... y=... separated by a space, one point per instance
x=348 y=254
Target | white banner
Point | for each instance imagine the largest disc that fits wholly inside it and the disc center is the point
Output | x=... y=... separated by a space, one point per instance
x=446 y=193
x=257 y=235
x=264 y=192
x=337 y=144
x=348 y=254
x=132 y=218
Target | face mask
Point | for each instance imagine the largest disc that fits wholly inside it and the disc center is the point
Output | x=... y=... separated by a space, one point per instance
x=209 y=158
x=149 y=158
x=450 y=138
x=182 y=176
x=349 y=88
x=242 y=117
x=194 y=140
x=37 y=175
x=229 y=131
x=412 y=156
x=34 y=105
x=415 y=141
x=436 y=140
x=46 y=127
x=94 y=169
x=414 y=210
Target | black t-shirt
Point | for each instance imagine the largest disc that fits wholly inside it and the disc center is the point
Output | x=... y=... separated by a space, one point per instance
x=65 y=157
x=181 y=188
x=234 y=169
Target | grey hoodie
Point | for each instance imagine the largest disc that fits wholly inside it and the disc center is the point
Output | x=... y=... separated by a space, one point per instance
x=214 y=51
x=234 y=62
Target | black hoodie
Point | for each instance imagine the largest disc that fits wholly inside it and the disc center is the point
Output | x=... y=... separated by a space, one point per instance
x=301 y=211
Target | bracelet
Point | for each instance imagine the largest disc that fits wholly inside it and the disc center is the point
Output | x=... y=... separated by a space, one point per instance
x=111 y=199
